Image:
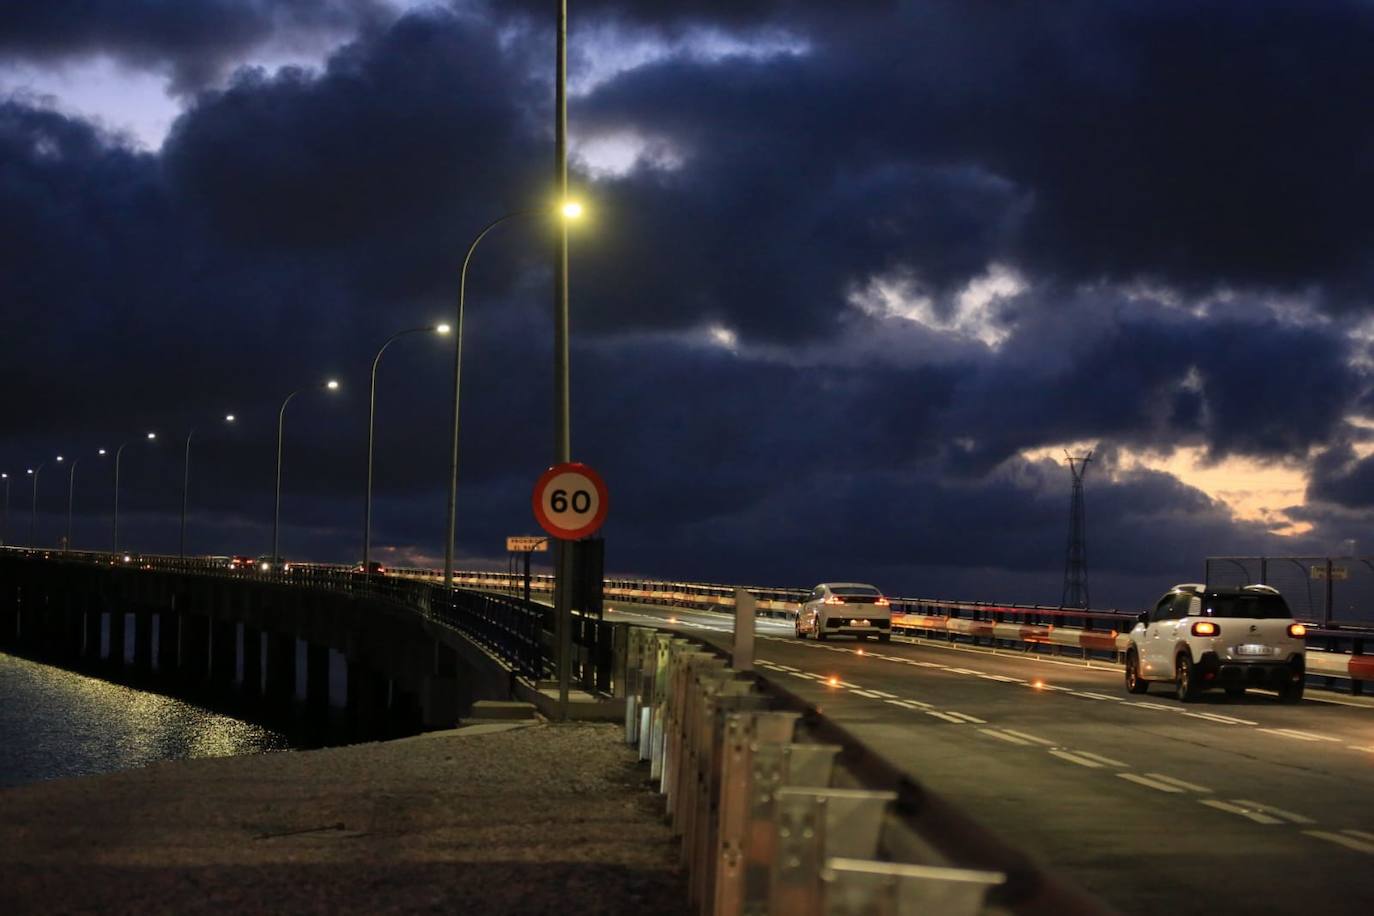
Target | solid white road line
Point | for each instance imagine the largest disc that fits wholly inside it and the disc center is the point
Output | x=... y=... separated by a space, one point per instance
x=1276 y=812
x=1031 y=738
x=1145 y=781
x=1340 y=839
x=1256 y=816
x=1191 y=787
x=1075 y=758
x=1004 y=736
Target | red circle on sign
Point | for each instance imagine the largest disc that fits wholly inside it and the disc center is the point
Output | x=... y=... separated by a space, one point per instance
x=581 y=494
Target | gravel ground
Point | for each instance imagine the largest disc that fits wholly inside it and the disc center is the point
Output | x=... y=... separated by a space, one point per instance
x=487 y=819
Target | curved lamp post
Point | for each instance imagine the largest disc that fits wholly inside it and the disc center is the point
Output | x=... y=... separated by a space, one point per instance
x=330 y=385
x=569 y=210
x=186 y=486
x=71 y=493
x=440 y=329
x=114 y=548
x=33 y=513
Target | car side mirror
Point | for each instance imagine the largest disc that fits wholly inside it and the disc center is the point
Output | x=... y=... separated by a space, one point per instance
x=1143 y=617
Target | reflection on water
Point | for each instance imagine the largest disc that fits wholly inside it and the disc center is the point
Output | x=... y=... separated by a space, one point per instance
x=57 y=723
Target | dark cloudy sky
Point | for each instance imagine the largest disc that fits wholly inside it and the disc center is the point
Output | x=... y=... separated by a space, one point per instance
x=855 y=275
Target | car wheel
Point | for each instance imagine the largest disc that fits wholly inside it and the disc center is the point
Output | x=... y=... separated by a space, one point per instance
x=820 y=631
x=1134 y=682
x=1235 y=691
x=1291 y=692
x=1186 y=680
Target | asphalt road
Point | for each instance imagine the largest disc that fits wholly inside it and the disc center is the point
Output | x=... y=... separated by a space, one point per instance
x=1226 y=805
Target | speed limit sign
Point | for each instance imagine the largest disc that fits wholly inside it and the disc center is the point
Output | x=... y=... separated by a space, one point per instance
x=570 y=501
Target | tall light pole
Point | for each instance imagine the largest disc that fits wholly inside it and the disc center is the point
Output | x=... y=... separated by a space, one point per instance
x=330 y=385
x=5 y=526
x=568 y=210
x=186 y=486
x=440 y=329
x=33 y=513
x=71 y=493
x=562 y=448
x=119 y=452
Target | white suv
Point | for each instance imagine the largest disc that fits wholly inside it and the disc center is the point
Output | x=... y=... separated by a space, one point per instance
x=1198 y=637
x=851 y=608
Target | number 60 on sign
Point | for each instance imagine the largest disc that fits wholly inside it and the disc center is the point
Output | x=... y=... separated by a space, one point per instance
x=570 y=501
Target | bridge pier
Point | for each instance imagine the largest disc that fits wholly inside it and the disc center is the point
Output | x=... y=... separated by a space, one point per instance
x=368 y=693
x=115 y=656
x=92 y=621
x=194 y=661
x=317 y=676
x=252 y=663
x=280 y=689
x=168 y=642
x=143 y=641
x=224 y=653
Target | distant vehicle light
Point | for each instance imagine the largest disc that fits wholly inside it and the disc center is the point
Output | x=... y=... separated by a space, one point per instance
x=1206 y=628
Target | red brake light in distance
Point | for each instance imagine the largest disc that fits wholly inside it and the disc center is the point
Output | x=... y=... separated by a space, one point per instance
x=1206 y=628
x=1297 y=630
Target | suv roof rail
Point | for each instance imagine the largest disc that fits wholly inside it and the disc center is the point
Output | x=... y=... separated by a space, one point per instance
x=1264 y=589
x=1194 y=587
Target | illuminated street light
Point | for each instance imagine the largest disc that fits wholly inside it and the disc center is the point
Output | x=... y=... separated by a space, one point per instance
x=440 y=329
x=569 y=210
x=119 y=452
x=186 y=487
x=330 y=385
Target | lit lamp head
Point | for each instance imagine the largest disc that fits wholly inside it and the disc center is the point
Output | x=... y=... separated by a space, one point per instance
x=100 y=451
x=332 y=385
x=228 y=418
x=442 y=329
x=571 y=209
x=30 y=471
x=59 y=459
x=152 y=436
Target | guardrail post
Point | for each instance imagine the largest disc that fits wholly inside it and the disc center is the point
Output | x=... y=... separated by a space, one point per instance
x=815 y=825
x=857 y=886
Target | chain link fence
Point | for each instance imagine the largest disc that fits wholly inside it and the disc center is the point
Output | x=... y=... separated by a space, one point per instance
x=1331 y=591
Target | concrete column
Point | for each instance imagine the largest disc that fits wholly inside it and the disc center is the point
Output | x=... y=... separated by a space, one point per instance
x=143 y=640
x=224 y=653
x=252 y=662
x=168 y=641
x=194 y=662
x=116 y=656
x=317 y=676
x=281 y=670
x=92 y=624
x=367 y=702
x=9 y=614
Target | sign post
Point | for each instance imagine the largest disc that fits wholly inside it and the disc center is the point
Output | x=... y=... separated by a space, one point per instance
x=527 y=545
x=570 y=502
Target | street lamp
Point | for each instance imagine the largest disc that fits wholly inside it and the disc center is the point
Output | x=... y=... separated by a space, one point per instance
x=71 y=493
x=440 y=329
x=330 y=385
x=119 y=452
x=33 y=514
x=186 y=486
x=5 y=527
x=569 y=210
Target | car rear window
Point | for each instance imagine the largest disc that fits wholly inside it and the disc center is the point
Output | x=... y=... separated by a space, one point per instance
x=857 y=591
x=1254 y=607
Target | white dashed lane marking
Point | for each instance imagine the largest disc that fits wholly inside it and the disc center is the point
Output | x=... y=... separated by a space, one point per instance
x=1151 y=783
x=1214 y=717
x=864 y=693
x=958 y=718
x=1094 y=696
x=1081 y=760
x=1259 y=817
x=1191 y=787
x=1030 y=738
x=1274 y=812
x=1357 y=840
x=1004 y=736
x=909 y=704
x=1300 y=735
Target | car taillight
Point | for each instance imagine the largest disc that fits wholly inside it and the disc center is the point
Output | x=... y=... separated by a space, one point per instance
x=1206 y=628
x=834 y=599
x=1297 y=630
x=881 y=602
